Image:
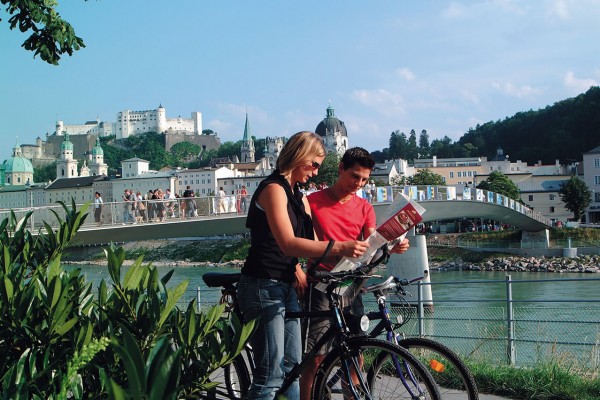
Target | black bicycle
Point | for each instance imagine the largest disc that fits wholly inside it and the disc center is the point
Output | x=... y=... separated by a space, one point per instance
x=358 y=367
x=449 y=371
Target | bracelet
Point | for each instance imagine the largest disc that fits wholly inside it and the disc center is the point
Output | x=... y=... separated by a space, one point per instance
x=327 y=250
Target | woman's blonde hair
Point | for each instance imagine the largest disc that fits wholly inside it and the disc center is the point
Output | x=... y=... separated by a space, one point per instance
x=301 y=147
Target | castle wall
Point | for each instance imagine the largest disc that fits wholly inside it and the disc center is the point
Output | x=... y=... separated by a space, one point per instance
x=81 y=145
x=211 y=142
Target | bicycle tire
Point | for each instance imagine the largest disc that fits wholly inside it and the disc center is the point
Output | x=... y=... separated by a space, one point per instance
x=233 y=379
x=378 y=383
x=449 y=371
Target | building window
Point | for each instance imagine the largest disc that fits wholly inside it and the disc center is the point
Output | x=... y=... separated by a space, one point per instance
x=469 y=173
x=459 y=174
x=597 y=197
x=451 y=174
x=530 y=197
x=597 y=162
x=552 y=196
x=596 y=180
x=551 y=209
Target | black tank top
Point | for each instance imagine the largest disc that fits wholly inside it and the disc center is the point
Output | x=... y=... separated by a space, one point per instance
x=265 y=259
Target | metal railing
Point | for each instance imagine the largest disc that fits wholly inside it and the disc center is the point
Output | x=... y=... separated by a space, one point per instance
x=501 y=327
x=144 y=211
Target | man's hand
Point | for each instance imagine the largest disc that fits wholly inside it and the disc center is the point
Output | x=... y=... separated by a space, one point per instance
x=300 y=284
x=400 y=247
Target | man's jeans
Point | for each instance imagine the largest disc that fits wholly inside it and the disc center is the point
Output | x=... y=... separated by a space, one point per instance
x=127 y=215
x=277 y=344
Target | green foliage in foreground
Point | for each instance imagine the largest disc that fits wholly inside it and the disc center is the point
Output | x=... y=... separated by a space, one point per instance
x=129 y=340
x=545 y=381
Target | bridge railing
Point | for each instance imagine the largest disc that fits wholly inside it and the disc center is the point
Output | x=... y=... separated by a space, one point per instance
x=450 y=193
x=117 y=213
x=144 y=211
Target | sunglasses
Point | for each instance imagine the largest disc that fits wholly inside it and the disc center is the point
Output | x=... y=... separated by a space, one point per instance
x=315 y=165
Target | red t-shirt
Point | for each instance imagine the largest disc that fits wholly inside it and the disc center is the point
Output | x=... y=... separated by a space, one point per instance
x=337 y=221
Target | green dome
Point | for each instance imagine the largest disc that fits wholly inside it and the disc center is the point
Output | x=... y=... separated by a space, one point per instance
x=18 y=164
x=66 y=144
x=97 y=150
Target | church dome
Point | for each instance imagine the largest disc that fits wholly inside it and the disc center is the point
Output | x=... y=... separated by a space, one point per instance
x=66 y=144
x=17 y=163
x=331 y=124
x=97 y=149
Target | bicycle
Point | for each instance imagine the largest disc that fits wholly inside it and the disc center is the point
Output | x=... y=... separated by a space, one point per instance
x=348 y=371
x=449 y=371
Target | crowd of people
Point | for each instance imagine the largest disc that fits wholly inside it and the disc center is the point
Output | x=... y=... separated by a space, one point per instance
x=158 y=205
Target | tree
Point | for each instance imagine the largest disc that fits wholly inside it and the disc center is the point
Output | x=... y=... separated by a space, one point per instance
x=424 y=144
x=576 y=196
x=45 y=173
x=328 y=172
x=412 y=149
x=185 y=151
x=51 y=35
x=426 y=177
x=500 y=183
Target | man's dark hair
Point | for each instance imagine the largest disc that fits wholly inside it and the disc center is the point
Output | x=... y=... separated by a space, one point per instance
x=357 y=155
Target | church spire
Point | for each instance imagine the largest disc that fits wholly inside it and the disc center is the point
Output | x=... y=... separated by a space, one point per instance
x=246 y=130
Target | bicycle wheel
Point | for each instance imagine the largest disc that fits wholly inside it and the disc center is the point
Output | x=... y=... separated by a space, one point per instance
x=450 y=373
x=363 y=365
x=233 y=379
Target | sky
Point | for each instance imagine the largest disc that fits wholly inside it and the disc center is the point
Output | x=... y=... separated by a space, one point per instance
x=434 y=65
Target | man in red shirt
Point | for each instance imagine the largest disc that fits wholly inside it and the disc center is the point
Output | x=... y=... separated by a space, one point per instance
x=339 y=214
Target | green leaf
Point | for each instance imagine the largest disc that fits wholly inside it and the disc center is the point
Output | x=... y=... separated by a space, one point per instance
x=174 y=296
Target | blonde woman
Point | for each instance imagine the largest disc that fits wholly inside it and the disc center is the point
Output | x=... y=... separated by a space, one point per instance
x=281 y=231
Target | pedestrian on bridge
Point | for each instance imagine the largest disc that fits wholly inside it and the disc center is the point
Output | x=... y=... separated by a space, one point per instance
x=98 y=208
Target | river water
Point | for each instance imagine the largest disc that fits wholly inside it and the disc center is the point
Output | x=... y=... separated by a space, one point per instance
x=555 y=315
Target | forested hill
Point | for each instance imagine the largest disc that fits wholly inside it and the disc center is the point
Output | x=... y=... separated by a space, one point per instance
x=561 y=131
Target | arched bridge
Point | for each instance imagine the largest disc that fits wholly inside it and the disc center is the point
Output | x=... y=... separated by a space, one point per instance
x=440 y=204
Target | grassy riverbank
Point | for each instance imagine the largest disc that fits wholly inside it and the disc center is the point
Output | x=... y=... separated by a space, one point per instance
x=550 y=380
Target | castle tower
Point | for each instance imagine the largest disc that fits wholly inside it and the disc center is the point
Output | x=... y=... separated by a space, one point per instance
x=66 y=166
x=161 y=119
x=247 y=144
x=97 y=165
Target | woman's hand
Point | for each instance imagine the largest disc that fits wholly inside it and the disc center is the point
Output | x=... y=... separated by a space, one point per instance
x=401 y=247
x=352 y=248
x=300 y=284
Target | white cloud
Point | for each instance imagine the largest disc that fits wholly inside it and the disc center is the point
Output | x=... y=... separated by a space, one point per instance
x=510 y=89
x=455 y=10
x=560 y=9
x=578 y=85
x=406 y=73
x=382 y=100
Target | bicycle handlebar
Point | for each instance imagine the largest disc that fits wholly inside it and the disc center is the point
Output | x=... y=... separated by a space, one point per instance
x=391 y=283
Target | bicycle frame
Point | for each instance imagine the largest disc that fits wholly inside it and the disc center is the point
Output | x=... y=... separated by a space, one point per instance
x=228 y=282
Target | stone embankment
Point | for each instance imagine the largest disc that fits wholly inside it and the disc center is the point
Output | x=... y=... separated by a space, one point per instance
x=179 y=263
x=580 y=264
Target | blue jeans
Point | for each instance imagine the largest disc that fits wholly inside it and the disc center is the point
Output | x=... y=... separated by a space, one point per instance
x=277 y=344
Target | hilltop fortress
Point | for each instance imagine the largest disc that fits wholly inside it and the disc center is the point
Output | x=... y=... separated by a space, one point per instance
x=128 y=123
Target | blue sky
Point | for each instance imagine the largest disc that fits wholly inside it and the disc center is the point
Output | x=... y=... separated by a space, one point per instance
x=443 y=66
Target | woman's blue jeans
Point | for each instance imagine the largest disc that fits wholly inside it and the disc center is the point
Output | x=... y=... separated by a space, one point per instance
x=276 y=343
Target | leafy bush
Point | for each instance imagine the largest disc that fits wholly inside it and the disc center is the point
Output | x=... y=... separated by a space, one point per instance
x=130 y=340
